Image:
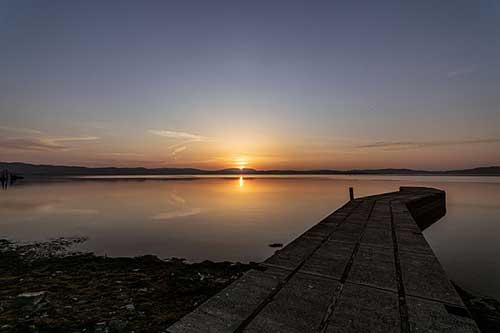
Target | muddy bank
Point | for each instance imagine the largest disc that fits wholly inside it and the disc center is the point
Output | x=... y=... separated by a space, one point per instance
x=46 y=288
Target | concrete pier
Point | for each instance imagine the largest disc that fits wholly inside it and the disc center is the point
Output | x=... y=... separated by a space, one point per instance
x=364 y=268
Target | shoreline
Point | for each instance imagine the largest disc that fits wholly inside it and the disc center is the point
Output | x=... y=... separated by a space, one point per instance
x=48 y=288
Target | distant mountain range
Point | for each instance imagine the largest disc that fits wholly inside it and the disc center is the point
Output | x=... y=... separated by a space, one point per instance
x=27 y=169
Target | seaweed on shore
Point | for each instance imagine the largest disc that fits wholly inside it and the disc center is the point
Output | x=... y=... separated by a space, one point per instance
x=45 y=289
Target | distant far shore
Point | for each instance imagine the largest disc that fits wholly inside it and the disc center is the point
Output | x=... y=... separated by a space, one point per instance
x=28 y=169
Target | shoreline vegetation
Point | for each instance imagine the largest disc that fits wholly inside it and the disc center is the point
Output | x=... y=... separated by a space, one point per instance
x=27 y=169
x=47 y=287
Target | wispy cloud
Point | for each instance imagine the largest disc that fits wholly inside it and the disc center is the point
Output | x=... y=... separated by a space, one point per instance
x=70 y=139
x=19 y=130
x=30 y=139
x=28 y=144
x=178 y=150
x=178 y=135
x=184 y=138
x=63 y=143
x=124 y=154
x=462 y=71
x=42 y=144
x=408 y=145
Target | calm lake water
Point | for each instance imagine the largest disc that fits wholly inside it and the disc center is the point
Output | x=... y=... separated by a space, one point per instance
x=237 y=218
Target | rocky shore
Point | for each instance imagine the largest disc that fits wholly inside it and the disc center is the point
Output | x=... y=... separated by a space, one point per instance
x=46 y=288
x=484 y=310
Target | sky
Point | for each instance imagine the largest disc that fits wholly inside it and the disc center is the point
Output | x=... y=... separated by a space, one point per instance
x=260 y=84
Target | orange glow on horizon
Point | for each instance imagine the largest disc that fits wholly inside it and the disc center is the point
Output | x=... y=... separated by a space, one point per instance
x=241 y=162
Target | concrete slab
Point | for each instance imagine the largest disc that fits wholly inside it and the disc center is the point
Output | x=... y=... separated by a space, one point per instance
x=377 y=237
x=374 y=267
x=430 y=316
x=320 y=230
x=347 y=232
x=355 y=220
x=402 y=218
x=225 y=311
x=293 y=254
x=333 y=220
x=363 y=210
x=423 y=276
x=365 y=309
x=412 y=242
x=406 y=225
x=399 y=206
x=343 y=211
x=381 y=209
x=380 y=223
x=330 y=259
x=299 y=307
x=199 y=321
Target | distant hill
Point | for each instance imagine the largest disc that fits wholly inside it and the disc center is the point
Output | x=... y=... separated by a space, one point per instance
x=27 y=169
x=484 y=171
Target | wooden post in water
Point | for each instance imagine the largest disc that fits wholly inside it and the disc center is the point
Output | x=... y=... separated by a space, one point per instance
x=351 y=193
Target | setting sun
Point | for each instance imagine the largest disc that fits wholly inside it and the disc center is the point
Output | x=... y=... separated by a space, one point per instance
x=241 y=162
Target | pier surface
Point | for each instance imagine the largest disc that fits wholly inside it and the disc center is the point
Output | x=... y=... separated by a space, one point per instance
x=364 y=268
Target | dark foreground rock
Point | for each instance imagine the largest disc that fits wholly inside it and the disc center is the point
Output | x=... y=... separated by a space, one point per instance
x=485 y=310
x=43 y=289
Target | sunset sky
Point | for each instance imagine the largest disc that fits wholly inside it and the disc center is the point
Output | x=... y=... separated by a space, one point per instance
x=261 y=84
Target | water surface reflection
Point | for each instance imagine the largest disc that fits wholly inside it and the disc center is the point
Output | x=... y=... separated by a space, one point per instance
x=236 y=218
